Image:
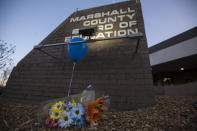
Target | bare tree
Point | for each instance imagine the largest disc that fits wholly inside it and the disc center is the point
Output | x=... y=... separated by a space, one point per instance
x=5 y=75
x=6 y=62
x=6 y=50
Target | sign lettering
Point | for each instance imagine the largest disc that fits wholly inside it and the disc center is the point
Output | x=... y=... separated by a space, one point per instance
x=109 y=23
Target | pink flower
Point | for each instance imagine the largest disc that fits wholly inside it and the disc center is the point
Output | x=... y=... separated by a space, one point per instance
x=51 y=123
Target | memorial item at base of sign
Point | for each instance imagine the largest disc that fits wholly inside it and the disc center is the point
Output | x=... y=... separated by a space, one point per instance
x=74 y=111
x=77 y=51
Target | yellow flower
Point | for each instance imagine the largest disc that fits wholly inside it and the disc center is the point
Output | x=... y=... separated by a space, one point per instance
x=74 y=102
x=55 y=114
x=57 y=106
x=62 y=102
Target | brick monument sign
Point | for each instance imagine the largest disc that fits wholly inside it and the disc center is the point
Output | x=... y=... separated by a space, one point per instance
x=117 y=67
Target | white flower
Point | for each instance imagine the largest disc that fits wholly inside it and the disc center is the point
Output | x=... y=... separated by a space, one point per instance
x=77 y=111
x=70 y=105
x=65 y=121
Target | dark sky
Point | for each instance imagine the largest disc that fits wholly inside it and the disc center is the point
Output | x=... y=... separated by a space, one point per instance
x=25 y=23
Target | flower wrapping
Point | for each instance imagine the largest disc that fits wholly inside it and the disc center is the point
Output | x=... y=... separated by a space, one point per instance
x=74 y=111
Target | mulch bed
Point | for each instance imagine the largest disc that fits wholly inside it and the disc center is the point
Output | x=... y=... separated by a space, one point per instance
x=169 y=114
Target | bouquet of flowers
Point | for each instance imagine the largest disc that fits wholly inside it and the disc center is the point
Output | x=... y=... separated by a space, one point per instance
x=65 y=114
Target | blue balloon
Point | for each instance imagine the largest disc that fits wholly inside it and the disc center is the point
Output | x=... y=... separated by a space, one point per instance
x=77 y=51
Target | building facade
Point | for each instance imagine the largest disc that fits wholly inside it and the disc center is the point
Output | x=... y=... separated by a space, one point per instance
x=118 y=67
x=174 y=61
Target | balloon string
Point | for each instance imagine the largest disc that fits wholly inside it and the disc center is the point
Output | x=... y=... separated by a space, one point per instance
x=71 y=79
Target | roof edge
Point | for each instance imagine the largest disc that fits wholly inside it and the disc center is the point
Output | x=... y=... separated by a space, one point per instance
x=174 y=40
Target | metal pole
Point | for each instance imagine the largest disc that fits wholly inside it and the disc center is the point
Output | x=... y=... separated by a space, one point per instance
x=137 y=35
